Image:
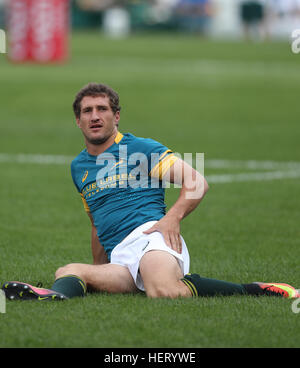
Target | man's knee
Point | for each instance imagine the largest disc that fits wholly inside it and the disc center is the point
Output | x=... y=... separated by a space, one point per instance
x=69 y=269
x=162 y=291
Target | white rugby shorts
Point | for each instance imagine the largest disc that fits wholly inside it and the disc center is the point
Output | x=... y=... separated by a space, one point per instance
x=129 y=252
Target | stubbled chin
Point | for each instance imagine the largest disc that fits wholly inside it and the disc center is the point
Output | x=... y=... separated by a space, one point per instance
x=96 y=140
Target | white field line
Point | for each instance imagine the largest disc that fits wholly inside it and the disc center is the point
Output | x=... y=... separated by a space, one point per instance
x=253 y=176
x=27 y=158
x=281 y=170
x=252 y=165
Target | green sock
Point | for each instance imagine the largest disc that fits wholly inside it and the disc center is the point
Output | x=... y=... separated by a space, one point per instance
x=70 y=286
x=201 y=286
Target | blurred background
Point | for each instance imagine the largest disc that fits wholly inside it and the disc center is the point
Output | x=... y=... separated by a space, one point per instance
x=260 y=19
x=227 y=60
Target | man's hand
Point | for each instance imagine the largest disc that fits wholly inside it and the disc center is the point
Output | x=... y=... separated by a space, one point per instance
x=169 y=227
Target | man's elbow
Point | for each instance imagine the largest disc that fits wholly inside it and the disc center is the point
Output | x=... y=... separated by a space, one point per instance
x=202 y=187
x=197 y=188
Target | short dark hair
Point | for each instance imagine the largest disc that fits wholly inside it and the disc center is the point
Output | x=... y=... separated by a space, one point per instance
x=94 y=90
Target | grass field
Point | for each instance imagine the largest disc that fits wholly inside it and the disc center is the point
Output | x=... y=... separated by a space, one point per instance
x=239 y=104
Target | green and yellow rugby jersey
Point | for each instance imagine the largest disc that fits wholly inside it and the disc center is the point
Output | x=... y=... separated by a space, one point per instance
x=122 y=188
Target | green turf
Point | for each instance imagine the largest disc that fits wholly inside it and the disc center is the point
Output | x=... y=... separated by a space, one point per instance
x=230 y=100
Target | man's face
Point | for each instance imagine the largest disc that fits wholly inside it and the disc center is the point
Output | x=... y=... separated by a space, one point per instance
x=97 y=121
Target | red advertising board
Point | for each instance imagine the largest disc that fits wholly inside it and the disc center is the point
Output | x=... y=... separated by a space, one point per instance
x=38 y=30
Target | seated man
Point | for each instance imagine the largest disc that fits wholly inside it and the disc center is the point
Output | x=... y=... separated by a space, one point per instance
x=136 y=246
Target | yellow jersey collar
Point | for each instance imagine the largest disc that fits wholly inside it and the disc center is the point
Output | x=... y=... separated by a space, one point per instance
x=118 y=138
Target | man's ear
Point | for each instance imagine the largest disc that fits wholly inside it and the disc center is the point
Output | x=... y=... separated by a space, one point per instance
x=117 y=117
x=78 y=122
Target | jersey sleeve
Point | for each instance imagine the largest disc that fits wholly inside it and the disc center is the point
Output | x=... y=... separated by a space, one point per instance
x=160 y=158
x=165 y=162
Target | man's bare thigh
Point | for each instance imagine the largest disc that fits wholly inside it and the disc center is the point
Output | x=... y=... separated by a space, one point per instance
x=162 y=275
x=111 y=278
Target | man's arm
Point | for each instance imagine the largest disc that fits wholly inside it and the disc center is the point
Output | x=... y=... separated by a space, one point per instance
x=99 y=255
x=193 y=189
